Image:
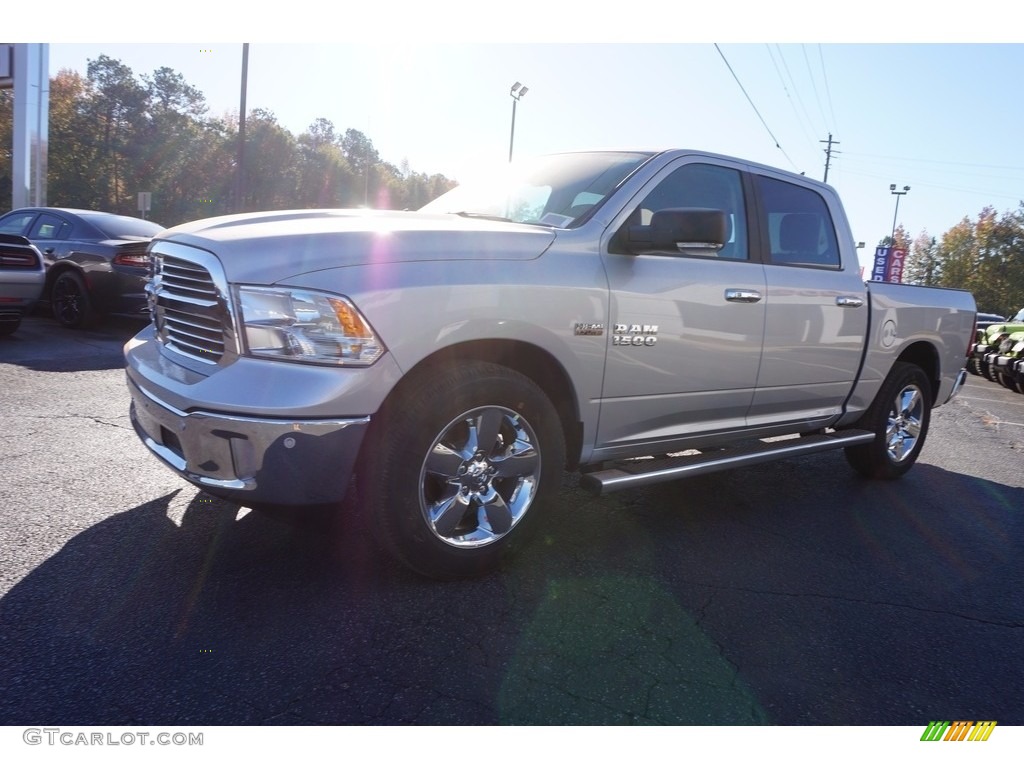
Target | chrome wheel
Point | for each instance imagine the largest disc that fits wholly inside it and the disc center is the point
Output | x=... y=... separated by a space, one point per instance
x=458 y=466
x=905 y=419
x=479 y=477
x=899 y=418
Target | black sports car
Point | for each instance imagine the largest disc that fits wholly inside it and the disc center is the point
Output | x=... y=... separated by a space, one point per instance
x=96 y=263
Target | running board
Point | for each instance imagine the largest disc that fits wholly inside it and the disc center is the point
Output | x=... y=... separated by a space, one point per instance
x=650 y=471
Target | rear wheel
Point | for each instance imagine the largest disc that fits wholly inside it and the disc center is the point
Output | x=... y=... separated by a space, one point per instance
x=458 y=464
x=899 y=417
x=70 y=301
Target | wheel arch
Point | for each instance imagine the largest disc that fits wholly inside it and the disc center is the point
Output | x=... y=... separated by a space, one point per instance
x=528 y=359
x=924 y=355
x=59 y=269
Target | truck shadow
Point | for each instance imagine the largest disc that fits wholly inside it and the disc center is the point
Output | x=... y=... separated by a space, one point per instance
x=42 y=344
x=714 y=601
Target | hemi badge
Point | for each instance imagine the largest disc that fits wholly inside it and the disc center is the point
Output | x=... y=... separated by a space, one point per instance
x=588 y=329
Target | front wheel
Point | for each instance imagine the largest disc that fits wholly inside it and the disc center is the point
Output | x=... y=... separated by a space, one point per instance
x=457 y=466
x=899 y=417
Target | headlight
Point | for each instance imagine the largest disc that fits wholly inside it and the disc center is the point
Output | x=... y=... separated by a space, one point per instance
x=304 y=326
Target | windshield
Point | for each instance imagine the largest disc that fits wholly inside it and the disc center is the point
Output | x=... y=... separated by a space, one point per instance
x=556 y=190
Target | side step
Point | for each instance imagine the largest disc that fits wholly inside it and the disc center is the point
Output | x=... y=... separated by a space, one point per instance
x=633 y=474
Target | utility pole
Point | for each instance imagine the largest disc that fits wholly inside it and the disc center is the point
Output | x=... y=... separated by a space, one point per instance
x=828 y=154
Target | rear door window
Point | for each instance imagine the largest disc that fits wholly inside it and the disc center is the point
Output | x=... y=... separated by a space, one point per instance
x=49 y=227
x=799 y=226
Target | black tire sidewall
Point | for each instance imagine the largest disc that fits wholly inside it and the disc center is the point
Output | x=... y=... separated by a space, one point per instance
x=873 y=460
x=408 y=427
x=84 y=316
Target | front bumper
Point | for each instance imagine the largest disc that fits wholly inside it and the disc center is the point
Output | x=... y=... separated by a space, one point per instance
x=251 y=460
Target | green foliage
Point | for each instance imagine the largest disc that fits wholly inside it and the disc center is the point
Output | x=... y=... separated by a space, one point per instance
x=113 y=135
x=984 y=256
x=6 y=142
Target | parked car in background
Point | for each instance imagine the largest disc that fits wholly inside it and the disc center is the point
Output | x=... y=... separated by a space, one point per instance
x=96 y=263
x=21 y=280
x=985 y=319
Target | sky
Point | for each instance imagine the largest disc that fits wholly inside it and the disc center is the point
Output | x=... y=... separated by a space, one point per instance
x=944 y=118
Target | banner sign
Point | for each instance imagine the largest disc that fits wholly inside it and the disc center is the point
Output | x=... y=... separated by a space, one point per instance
x=888 y=265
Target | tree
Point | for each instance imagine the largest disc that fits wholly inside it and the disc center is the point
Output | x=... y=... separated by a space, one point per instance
x=118 y=106
x=6 y=142
x=270 y=179
x=986 y=257
x=113 y=135
x=922 y=266
x=73 y=162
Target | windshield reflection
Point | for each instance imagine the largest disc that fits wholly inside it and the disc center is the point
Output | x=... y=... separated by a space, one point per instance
x=553 y=190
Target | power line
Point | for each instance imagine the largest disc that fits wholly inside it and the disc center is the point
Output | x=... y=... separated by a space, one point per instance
x=937 y=162
x=814 y=85
x=919 y=183
x=754 y=107
x=828 y=91
x=799 y=120
x=792 y=80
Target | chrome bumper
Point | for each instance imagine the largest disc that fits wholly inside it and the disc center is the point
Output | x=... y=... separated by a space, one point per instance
x=248 y=459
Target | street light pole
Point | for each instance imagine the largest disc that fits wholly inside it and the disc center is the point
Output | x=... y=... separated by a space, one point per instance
x=898 y=193
x=518 y=91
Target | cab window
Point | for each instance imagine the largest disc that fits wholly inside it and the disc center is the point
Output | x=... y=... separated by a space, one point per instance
x=698 y=185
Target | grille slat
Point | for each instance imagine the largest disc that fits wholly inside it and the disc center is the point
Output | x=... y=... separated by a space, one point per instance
x=188 y=311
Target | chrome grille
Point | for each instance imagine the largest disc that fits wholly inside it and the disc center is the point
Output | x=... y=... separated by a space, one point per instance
x=189 y=310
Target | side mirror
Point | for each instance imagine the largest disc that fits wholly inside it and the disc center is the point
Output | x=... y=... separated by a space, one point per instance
x=680 y=230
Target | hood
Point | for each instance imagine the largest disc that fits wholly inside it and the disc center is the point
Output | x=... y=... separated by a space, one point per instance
x=273 y=246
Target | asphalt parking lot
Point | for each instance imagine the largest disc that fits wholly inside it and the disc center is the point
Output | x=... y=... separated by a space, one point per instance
x=793 y=593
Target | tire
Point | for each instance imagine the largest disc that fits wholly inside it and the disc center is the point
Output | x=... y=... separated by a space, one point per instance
x=1006 y=380
x=987 y=371
x=899 y=417
x=70 y=302
x=7 y=327
x=972 y=366
x=1017 y=381
x=457 y=465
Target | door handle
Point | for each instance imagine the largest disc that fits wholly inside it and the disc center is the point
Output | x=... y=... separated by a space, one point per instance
x=849 y=301
x=742 y=295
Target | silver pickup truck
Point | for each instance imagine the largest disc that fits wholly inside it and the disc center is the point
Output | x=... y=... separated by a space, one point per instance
x=636 y=316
